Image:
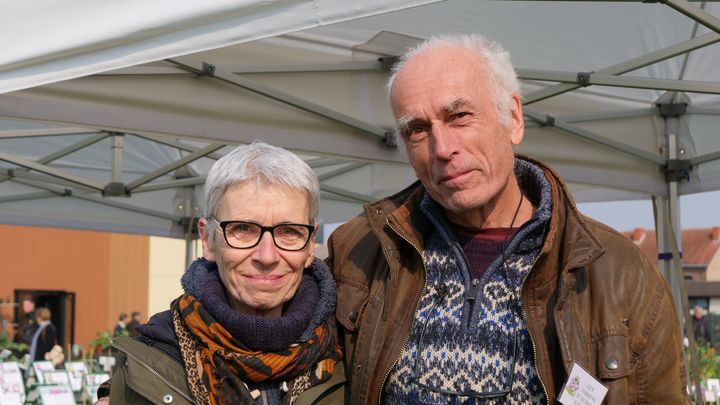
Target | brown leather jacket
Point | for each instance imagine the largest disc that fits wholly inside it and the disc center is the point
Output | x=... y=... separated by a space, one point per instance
x=592 y=297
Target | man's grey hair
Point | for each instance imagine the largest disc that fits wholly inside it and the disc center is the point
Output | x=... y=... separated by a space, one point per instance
x=502 y=79
x=265 y=165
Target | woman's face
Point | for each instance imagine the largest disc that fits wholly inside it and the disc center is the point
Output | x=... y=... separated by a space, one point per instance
x=259 y=280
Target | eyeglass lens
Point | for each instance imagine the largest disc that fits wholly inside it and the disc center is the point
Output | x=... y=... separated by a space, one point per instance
x=247 y=234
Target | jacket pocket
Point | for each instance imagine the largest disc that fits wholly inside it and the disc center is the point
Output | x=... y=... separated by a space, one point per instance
x=351 y=304
x=616 y=369
x=613 y=357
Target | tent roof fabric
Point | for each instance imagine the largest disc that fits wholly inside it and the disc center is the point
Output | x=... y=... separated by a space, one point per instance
x=620 y=98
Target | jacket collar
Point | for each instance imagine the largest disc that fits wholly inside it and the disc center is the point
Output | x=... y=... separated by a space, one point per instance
x=569 y=241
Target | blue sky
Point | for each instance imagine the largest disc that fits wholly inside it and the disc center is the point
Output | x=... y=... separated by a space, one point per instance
x=696 y=211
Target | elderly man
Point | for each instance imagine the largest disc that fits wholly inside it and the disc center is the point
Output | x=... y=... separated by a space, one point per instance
x=481 y=282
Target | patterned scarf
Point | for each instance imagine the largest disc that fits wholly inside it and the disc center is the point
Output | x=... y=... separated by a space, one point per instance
x=221 y=370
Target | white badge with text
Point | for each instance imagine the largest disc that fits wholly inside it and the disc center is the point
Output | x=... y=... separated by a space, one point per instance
x=582 y=388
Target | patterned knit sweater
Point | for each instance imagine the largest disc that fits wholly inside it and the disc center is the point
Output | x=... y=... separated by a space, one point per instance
x=468 y=343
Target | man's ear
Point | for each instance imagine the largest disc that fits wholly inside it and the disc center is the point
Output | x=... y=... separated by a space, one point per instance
x=517 y=122
x=205 y=228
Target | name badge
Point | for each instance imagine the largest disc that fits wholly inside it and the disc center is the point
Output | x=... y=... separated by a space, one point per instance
x=582 y=388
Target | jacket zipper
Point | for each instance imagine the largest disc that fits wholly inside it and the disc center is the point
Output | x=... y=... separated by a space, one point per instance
x=150 y=369
x=407 y=338
x=532 y=341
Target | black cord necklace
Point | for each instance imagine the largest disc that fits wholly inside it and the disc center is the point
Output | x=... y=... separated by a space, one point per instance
x=503 y=245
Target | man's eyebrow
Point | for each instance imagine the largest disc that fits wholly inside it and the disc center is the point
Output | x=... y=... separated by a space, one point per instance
x=453 y=105
x=403 y=122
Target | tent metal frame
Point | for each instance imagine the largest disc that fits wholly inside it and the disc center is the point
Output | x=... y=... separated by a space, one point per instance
x=666 y=195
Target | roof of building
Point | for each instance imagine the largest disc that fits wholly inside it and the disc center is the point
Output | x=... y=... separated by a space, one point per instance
x=698 y=245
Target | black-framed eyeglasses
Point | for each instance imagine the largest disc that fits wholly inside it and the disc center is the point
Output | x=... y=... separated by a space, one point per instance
x=246 y=235
x=510 y=372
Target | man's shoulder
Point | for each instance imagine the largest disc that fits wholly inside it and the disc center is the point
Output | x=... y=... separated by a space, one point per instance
x=359 y=226
x=607 y=234
x=621 y=253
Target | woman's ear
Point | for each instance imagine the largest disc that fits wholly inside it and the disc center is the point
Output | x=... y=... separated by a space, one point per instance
x=205 y=229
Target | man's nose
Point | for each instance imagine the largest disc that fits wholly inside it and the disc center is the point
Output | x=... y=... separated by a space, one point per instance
x=444 y=141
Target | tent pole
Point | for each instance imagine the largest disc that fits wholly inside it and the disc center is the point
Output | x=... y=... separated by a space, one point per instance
x=188 y=250
x=669 y=240
x=117 y=145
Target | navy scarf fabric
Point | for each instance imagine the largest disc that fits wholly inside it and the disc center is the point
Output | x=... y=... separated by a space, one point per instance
x=313 y=302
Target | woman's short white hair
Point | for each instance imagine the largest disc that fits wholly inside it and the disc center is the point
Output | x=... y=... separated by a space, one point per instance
x=266 y=165
x=502 y=79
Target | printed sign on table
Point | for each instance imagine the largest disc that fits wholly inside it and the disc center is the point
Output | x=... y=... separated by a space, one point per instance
x=12 y=388
x=40 y=367
x=56 y=377
x=56 y=395
x=76 y=370
x=92 y=383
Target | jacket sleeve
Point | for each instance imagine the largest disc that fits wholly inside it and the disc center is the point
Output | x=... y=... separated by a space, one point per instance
x=662 y=376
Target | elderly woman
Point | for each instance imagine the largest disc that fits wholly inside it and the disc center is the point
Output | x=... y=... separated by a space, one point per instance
x=256 y=322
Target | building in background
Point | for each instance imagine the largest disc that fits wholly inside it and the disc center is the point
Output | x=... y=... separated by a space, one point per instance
x=87 y=278
x=701 y=267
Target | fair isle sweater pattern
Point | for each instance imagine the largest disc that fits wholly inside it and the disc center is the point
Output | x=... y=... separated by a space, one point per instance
x=468 y=340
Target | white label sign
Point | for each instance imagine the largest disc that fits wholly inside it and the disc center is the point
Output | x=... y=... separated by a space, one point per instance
x=582 y=388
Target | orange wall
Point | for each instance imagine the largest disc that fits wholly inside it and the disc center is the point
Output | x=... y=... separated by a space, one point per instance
x=107 y=272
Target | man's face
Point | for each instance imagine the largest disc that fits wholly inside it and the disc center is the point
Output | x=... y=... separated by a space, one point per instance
x=449 y=122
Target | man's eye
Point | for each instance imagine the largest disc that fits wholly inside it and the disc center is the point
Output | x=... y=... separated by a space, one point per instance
x=460 y=114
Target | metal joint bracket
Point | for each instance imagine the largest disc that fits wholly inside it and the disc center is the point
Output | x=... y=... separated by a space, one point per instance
x=115 y=189
x=677 y=169
x=11 y=173
x=67 y=192
x=549 y=121
x=207 y=70
x=390 y=139
x=388 y=62
x=672 y=109
x=667 y=255
x=583 y=78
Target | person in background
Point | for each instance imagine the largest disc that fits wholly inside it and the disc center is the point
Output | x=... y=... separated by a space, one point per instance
x=123 y=321
x=482 y=282
x=134 y=323
x=45 y=336
x=29 y=325
x=256 y=323
x=700 y=326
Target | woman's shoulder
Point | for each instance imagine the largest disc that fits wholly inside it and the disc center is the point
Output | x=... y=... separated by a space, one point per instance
x=334 y=391
x=160 y=332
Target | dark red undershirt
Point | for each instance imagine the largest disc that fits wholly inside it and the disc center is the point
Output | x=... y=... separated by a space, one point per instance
x=482 y=246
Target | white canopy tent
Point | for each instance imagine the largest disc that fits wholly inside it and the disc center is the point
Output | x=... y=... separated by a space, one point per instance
x=147 y=93
x=115 y=112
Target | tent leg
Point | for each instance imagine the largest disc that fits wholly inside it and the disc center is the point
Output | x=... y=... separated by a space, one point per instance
x=189 y=250
x=668 y=232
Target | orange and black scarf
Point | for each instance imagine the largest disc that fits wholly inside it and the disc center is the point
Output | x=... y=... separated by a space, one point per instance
x=221 y=370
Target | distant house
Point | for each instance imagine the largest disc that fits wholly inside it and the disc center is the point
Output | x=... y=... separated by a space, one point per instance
x=700 y=258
